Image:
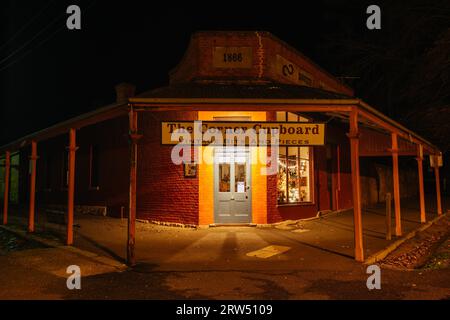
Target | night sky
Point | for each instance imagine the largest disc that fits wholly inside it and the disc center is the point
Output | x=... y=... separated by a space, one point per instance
x=49 y=73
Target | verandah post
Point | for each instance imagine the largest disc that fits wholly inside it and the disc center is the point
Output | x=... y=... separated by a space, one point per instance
x=6 y=190
x=71 y=186
x=33 y=159
x=396 y=180
x=438 y=186
x=354 y=154
x=134 y=137
x=419 y=159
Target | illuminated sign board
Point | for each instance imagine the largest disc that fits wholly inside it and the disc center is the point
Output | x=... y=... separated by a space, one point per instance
x=200 y=132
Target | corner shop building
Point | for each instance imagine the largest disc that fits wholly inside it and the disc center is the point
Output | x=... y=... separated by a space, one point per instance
x=115 y=159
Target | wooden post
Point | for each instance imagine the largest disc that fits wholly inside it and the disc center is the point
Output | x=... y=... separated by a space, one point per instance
x=388 y=216
x=71 y=187
x=338 y=189
x=419 y=159
x=438 y=186
x=134 y=137
x=6 y=190
x=33 y=159
x=396 y=180
x=354 y=153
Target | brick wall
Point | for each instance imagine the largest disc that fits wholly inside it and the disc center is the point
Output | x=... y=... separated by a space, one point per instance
x=112 y=141
x=273 y=47
x=49 y=188
x=163 y=193
x=197 y=63
x=111 y=137
x=376 y=179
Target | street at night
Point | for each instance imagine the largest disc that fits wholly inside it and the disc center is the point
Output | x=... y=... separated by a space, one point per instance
x=225 y=159
x=214 y=263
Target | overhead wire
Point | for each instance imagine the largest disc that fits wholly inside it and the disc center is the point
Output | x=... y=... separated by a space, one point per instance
x=31 y=49
x=33 y=38
x=37 y=15
x=30 y=40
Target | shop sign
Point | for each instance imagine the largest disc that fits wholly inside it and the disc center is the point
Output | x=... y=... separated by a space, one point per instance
x=253 y=133
x=436 y=160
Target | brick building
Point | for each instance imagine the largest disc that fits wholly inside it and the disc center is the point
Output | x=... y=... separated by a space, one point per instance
x=114 y=160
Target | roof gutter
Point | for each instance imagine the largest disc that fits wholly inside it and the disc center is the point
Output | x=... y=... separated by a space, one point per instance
x=149 y=102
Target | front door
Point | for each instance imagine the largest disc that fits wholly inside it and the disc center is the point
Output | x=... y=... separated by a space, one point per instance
x=232 y=194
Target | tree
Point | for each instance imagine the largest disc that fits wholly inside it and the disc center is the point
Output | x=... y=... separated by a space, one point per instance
x=404 y=68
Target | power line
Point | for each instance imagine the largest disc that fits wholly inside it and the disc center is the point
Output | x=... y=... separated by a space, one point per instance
x=31 y=40
x=39 y=44
x=30 y=50
x=27 y=24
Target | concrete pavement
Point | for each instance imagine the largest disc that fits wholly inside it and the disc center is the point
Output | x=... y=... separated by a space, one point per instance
x=312 y=242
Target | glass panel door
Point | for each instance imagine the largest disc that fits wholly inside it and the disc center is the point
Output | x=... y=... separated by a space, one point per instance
x=232 y=186
x=224 y=177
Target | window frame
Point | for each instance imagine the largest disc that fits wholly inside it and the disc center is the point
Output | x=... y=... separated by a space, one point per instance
x=311 y=168
x=91 y=158
x=48 y=164
x=65 y=170
x=311 y=177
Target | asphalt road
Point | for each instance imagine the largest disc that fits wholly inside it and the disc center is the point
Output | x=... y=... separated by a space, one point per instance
x=40 y=273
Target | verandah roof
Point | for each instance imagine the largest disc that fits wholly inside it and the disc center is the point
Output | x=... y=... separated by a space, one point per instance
x=240 y=91
x=205 y=96
x=269 y=97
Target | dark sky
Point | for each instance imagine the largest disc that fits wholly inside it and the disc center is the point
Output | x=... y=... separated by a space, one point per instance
x=49 y=73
